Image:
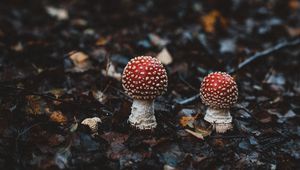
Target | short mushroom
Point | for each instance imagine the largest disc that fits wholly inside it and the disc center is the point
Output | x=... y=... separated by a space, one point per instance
x=219 y=92
x=144 y=78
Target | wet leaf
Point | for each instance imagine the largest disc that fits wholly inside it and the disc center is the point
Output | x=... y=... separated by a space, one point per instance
x=58 y=117
x=209 y=21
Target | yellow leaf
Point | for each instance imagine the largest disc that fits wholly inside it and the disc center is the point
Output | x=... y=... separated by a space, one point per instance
x=58 y=117
x=186 y=120
x=209 y=21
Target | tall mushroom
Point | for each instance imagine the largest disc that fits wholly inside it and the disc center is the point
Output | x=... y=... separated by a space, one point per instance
x=219 y=92
x=144 y=78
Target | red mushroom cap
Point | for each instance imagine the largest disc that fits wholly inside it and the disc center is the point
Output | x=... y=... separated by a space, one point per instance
x=219 y=90
x=144 y=78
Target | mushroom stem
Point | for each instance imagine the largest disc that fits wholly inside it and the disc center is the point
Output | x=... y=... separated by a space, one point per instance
x=142 y=114
x=219 y=118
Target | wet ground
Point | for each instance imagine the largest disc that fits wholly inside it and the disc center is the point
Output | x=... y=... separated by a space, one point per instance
x=61 y=62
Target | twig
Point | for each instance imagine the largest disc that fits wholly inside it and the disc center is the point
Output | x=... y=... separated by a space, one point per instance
x=228 y=137
x=248 y=61
x=189 y=100
x=26 y=130
x=260 y=123
x=265 y=53
x=24 y=91
x=187 y=83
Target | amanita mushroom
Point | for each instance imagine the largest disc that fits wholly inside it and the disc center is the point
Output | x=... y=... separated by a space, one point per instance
x=219 y=92
x=144 y=78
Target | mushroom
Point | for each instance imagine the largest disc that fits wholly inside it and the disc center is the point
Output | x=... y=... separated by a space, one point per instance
x=144 y=78
x=219 y=92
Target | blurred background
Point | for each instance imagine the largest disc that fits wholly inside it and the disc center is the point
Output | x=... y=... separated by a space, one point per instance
x=61 y=61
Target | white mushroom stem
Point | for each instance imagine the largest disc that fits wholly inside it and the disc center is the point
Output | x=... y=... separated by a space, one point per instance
x=219 y=118
x=142 y=114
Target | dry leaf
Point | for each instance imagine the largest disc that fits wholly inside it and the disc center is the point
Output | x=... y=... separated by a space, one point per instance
x=58 y=117
x=80 y=60
x=294 y=5
x=210 y=20
x=187 y=120
x=92 y=123
x=103 y=41
x=197 y=135
x=17 y=47
x=59 y=13
x=100 y=96
x=111 y=72
x=35 y=105
x=293 y=32
x=157 y=41
x=165 y=57
x=204 y=132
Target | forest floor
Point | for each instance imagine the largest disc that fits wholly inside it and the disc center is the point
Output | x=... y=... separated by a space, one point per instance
x=61 y=62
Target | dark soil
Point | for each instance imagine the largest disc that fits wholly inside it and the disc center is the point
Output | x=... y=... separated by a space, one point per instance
x=46 y=91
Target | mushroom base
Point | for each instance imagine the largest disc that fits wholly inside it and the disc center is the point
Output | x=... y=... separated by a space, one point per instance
x=142 y=115
x=219 y=118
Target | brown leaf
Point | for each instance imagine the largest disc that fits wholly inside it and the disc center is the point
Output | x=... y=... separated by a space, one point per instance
x=203 y=131
x=117 y=148
x=209 y=21
x=35 y=105
x=186 y=120
x=80 y=60
x=197 y=135
x=58 y=117
x=103 y=41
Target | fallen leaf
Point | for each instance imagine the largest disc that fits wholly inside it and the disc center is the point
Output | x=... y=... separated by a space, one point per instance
x=187 y=120
x=203 y=131
x=157 y=40
x=111 y=72
x=61 y=157
x=35 y=105
x=165 y=57
x=262 y=116
x=103 y=41
x=92 y=123
x=293 y=32
x=275 y=78
x=100 y=96
x=55 y=140
x=282 y=118
x=59 y=13
x=17 y=47
x=80 y=60
x=294 y=4
x=197 y=135
x=58 y=117
x=117 y=147
x=210 y=20
x=227 y=45
x=168 y=167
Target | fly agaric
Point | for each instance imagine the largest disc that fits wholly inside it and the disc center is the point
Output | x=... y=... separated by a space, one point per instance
x=219 y=92
x=144 y=78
